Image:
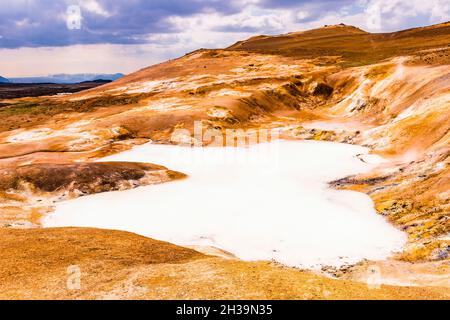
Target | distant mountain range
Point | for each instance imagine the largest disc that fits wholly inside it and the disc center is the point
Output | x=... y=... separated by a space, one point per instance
x=64 y=78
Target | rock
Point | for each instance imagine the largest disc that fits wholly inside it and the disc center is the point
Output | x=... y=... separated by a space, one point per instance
x=322 y=89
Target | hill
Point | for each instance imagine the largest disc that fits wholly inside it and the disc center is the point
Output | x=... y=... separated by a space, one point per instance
x=355 y=46
x=10 y=90
x=68 y=78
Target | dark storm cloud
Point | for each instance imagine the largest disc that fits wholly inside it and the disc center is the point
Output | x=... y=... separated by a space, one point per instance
x=35 y=23
x=39 y=23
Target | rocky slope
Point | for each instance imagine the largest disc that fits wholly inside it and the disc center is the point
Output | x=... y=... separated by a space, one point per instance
x=390 y=92
x=103 y=264
x=28 y=192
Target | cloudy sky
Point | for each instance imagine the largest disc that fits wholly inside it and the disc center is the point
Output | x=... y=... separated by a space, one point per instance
x=39 y=37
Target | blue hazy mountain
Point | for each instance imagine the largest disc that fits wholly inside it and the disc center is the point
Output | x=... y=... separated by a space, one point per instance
x=67 y=78
x=3 y=80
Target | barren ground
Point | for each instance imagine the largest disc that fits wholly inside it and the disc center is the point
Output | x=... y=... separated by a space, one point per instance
x=388 y=92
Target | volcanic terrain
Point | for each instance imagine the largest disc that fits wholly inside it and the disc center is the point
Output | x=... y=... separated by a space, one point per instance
x=388 y=92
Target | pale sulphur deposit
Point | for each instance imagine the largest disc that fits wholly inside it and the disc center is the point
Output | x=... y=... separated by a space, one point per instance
x=268 y=201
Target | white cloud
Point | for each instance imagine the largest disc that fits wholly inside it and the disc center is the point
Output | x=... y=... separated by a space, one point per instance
x=94 y=7
x=26 y=23
x=248 y=19
x=215 y=31
x=384 y=15
x=301 y=15
x=391 y=15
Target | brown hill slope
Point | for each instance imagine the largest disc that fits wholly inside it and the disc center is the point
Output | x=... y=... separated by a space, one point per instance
x=74 y=263
x=354 y=45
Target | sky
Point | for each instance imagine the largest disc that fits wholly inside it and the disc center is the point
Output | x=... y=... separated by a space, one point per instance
x=40 y=37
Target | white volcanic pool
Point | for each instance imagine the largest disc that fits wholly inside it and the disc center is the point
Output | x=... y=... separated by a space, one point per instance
x=268 y=201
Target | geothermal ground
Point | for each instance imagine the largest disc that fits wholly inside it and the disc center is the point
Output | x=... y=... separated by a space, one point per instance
x=266 y=202
x=388 y=95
